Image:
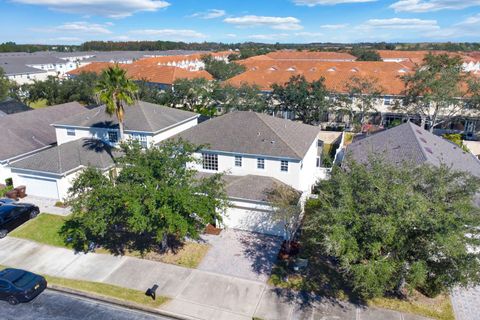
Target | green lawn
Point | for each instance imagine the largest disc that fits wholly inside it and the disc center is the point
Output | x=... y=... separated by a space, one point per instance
x=46 y=229
x=437 y=308
x=107 y=290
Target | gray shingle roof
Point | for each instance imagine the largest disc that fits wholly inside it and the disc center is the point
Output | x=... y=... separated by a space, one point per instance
x=69 y=156
x=11 y=106
x=410 y=143
x=28 y=131
x=142 y=116
x=249 y=187
x=253 y=133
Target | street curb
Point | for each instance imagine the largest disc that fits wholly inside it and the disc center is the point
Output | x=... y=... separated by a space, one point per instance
x=117 y=302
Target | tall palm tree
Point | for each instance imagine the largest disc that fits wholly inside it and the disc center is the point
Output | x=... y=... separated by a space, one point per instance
x=116 y=90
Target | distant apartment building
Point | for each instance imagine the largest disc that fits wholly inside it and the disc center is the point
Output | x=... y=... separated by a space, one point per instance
x=264 y=71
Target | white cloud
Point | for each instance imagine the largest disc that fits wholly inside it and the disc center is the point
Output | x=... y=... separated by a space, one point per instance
x=170 y=33
x=432 y=5
x=313 y=3
x=65 y=39
x=268 y=37
x=467 y=27
x=109 y=8
x=399 y=23
x=76 y=28
x=83 y=27
x=210 y=14
x=308 y=34
x=333 y=26
x=278 y=23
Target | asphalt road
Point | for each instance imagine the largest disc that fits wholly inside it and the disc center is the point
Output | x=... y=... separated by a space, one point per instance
x=52 y=305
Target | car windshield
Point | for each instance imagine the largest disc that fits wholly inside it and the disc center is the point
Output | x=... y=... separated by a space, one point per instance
x=25 y=279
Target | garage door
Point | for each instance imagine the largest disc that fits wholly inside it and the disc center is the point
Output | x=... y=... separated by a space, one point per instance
x=39 y=187
x=252 y=220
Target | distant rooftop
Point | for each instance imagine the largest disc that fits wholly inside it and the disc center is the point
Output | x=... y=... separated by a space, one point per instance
x=408 y=143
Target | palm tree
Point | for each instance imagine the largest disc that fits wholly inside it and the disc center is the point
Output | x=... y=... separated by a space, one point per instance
x=116 y=90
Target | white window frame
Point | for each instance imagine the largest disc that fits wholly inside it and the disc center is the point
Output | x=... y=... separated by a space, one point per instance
x=238 y=161
x=210 y=161
x=261 y=163
x=110 y=137
x=141 y=138
x=71 y=132
x=284 y=165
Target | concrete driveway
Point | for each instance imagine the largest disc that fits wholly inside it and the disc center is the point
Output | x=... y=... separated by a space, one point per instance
x=466 y=303
x=241 y=254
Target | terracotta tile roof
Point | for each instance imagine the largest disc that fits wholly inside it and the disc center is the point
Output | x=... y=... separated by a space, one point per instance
x=414 y=56
x=171 y=59
x=149 y=72
x=264 y=73
x=311 y=55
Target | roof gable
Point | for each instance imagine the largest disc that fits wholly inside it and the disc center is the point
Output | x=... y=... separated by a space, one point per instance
x=141 y=116
x=31 y=130
x=253 y=133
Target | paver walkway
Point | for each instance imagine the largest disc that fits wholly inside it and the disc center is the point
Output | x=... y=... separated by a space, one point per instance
x=46 y=205
x=195 y=293
x=466 y=303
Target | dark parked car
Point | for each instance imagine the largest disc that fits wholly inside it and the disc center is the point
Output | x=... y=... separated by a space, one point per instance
x=20 y=286
x=14 y=214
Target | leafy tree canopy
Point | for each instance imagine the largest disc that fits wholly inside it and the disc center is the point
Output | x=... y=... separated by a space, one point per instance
x=388 y=226
x=363 y=54
x=4 y=85
x=221 y=70
x=436 y=90
x=56 y=91
x=155 y=196
x=307 y=100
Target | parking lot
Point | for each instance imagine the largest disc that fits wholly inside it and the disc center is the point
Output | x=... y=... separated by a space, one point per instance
x=52 y=305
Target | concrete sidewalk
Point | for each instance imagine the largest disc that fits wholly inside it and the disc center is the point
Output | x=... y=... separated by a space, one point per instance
x=194 y=293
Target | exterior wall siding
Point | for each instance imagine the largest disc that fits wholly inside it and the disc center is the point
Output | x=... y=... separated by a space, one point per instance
x=226 y=164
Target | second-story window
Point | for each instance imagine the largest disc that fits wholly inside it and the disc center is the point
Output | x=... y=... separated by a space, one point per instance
x=210 y=161
x=71 y=132
x=113 y=136
x=260 y=163
x=284 y=166
x=238 y=161
x=142 y=139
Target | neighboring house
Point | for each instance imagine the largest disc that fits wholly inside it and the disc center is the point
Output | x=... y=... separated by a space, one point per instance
x=11 y=106
x=408 y=143
x=160 y=76
x=264 y=71
x=255 y=151
x=28 y=132
x=23 y=68
x=87 y=139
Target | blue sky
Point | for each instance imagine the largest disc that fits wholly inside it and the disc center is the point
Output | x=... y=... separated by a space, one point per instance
x=299 y=21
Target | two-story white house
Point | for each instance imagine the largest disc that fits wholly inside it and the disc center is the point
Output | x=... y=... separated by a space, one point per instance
x=87 y=139
x=256 y=152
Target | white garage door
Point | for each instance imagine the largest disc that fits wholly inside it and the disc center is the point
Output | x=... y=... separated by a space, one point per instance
x=39 y=187
x=252 y=220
